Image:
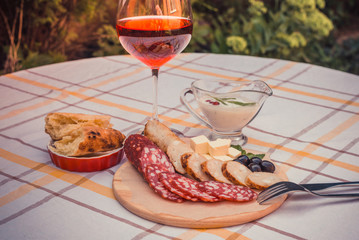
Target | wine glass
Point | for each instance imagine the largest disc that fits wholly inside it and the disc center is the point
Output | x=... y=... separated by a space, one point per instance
x=154 y=32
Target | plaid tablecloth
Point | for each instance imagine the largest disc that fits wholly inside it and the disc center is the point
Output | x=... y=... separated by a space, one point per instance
x=310 y=126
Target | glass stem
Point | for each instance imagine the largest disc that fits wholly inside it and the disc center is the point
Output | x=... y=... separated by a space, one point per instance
x=155 y=93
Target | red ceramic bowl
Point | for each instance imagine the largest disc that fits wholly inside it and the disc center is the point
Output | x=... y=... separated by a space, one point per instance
x=87 y=164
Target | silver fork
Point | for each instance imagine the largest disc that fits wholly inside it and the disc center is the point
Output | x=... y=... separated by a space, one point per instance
x=281 y=188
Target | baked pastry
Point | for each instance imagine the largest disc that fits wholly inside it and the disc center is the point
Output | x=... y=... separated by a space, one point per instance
x=59 y=125
x=87 y=140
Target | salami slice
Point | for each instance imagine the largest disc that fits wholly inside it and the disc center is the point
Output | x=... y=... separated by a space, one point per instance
x=152 y=174
x=141 y=152
x=154 y=155
x=227 y=191
x=185 y=187
x=133 y=147
x=166 y=180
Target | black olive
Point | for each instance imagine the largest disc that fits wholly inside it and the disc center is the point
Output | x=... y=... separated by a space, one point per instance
x=242 y=159
x=267 y=166
x=254 y=167
x=256 y=160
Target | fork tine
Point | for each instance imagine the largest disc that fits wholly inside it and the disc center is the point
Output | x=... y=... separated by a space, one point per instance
x=279 y=189
x=270 y=192
x=267 y=194
x=277 y=194
x=273 y=188
x=276 y=190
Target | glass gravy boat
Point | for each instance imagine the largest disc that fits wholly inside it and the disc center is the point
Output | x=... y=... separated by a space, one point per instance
x=226 y=107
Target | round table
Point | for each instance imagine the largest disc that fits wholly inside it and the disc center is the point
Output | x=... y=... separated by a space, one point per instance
x=309 y=126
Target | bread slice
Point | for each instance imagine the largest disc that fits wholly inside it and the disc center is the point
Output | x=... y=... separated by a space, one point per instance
x=88 y=140
x=191 y=162
x=168 y=141
x=262 y=180
x=59 y=125
x=174 y=152
x=213 y=168
x=235 y=172
x=160 y=134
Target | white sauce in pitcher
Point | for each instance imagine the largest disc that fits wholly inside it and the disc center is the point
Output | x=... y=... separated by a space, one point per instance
x=228 y=117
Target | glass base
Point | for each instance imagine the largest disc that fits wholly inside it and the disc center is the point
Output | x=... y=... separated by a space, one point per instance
x=141 y=131
x=177 y=132
x=237 y=139
x=136 y=131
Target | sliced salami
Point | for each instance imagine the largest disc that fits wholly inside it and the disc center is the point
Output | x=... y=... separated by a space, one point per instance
x=154 y=155
x=141 y=152
x=185 y=187
x=159 y=172
x=166 y=180
x=227 y=191
x=152 y=173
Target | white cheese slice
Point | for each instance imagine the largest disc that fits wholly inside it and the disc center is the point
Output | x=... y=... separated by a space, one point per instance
x=223 y=158
x=199 y=144
x=234 y=153
x=207 y=156
x=219 y=147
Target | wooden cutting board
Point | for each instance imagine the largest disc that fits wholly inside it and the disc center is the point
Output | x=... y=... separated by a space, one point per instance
x=133 y=193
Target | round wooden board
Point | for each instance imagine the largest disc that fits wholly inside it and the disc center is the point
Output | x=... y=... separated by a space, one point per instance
x=133 y=192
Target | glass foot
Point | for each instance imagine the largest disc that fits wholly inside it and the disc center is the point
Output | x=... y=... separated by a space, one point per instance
x=140 y=131
x=136 y=131
x=177 y=132
x=235 y=139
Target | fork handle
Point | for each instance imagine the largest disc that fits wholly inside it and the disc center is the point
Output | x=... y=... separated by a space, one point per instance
x=321 y=186
x=339 y=195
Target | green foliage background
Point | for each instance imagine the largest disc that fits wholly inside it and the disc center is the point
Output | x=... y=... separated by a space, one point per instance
x=298 y=30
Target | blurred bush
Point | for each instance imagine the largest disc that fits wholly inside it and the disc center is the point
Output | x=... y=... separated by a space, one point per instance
x=38 y=32
x=298 y=30
x=108 y=43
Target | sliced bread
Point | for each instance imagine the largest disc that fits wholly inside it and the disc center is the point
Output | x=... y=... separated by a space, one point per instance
x=174 y=152
x=262 y=180
x=235 y=172
x=213 y=168
x=191 y=162
x=160 y=134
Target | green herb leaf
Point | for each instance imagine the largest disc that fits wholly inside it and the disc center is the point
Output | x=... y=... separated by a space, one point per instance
x=220 y=100
x=239 y=148
x=226 y=100
x=242 y=103
x=249 y=155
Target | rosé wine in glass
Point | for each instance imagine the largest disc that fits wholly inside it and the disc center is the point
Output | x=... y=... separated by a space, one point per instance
x=154 y=32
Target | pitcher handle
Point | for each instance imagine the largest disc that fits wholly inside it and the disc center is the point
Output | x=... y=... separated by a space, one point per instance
x=190 y=108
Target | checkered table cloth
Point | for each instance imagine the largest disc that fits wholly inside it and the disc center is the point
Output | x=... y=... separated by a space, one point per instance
x=310 y=126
